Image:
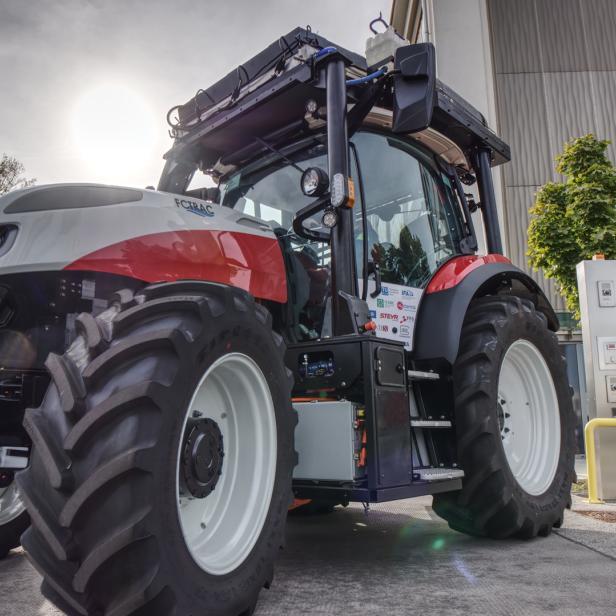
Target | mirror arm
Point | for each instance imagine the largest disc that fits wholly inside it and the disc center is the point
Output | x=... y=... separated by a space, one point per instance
x=307 y=212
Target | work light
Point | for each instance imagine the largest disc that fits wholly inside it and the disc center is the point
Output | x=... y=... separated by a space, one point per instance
x=314 y=182
x=330 y=218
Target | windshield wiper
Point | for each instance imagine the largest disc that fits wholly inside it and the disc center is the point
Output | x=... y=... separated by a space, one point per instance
x=282 y=156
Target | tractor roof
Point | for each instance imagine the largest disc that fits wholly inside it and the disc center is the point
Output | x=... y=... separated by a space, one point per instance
x=263 y=102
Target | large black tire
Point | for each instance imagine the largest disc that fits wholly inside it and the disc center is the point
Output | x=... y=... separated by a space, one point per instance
x=11 y=532
x=101 y=487
x=491 y=502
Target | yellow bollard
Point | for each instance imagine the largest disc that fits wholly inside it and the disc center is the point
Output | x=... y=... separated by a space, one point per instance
x=591 y=454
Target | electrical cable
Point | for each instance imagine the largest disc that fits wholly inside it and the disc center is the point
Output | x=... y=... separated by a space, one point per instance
x=361 y=80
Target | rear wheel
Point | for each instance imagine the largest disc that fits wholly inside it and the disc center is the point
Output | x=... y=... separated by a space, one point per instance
x=163 y=451
x=13 y=517
x=514 y=422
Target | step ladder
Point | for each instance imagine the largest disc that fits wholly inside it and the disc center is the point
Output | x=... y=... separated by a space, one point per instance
x=438 y=474
x=430 y=423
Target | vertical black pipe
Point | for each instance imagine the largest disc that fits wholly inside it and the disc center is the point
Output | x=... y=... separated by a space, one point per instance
x=488 y=201
x=342 y=245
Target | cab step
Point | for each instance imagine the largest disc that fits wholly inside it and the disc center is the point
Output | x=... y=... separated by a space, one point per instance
x=430 y=423
x=438 y=474
x=418 y=375
x=14 y=458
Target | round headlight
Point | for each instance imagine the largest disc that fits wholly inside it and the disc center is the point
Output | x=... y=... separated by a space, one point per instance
x=330 y=218
x=314 y=182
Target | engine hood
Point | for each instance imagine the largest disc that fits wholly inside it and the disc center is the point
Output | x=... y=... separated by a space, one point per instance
x=145 y=234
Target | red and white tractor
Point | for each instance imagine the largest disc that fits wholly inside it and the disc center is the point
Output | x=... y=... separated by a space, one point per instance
x=315 y=325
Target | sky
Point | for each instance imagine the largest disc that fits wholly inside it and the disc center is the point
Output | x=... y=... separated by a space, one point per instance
x=86 y=84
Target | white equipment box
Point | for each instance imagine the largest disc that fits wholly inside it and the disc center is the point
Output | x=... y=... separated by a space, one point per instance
x=327 y=440
x=597 y=286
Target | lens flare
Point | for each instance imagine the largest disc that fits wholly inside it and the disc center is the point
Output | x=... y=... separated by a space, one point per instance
x=438 y=543
x=113 y=130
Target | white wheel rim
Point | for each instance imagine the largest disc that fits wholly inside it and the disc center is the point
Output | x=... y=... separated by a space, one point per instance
x=529 y=417
x=11 y=505
x=221 y=529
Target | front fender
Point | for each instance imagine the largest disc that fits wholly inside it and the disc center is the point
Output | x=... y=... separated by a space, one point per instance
x=442 y=312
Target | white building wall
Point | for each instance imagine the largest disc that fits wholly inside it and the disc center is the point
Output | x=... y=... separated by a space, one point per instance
x=459 y=30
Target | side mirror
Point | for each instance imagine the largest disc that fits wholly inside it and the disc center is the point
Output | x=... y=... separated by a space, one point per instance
x=414 y=87
x=211 y=193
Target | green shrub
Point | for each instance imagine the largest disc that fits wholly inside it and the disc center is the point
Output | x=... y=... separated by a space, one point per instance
x=576 y=219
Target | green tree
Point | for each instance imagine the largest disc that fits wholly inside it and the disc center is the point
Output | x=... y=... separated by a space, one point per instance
x=11 y=171
x=575 y=219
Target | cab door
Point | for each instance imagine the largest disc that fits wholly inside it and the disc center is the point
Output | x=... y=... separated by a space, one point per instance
x=414 y=225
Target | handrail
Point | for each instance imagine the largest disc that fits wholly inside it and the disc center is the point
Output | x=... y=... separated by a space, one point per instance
x=591 y=454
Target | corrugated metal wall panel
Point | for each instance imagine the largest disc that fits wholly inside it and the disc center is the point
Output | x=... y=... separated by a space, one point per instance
x=548 y=55
x=604 y=95
x=515 y=28
x=522 y=123
x=570 y=108
x=599 y=20
x=563 y=46
x=519 y=199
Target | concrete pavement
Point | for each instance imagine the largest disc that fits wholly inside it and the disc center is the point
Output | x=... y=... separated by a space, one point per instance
x=401 y=559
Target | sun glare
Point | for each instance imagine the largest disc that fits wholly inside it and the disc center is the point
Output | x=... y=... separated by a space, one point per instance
x=113 y=131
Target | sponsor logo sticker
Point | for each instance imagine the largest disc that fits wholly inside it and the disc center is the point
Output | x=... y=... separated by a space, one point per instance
x=405 y=307
x=201 y=209
x=389 y=316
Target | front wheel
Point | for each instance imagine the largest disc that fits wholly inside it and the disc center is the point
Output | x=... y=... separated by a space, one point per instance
x=515 y=424
x=163 y=454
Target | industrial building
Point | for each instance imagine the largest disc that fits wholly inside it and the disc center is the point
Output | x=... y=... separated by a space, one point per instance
x=541 y=71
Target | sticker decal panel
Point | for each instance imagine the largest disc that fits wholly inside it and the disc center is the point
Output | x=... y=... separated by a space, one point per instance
x=394 y=311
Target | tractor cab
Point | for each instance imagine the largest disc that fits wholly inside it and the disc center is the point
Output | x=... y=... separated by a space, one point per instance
x=362 y=188
x=406 y=216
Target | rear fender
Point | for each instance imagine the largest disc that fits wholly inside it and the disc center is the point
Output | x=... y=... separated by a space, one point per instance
x=445 y=303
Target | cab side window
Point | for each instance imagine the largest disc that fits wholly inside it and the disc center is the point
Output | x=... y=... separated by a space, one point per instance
x=414 y=223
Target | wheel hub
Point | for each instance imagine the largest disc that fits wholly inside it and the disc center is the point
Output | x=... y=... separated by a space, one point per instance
x=6 y=478
x=528 y=417
x=11 y=505
x=202 y=458
x=221 y=530
x=504 y=417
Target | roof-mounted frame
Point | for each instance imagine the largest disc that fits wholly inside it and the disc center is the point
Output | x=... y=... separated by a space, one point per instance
x=265 y=98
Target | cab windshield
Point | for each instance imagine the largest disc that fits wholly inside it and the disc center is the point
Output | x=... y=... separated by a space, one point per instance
x=413 y=221
x=272 y=193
